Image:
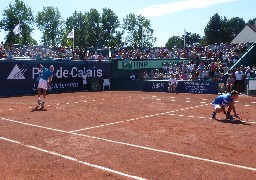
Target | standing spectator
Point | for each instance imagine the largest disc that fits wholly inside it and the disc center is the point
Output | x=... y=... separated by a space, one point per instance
x=84 y=76
x=172 y=84
x=230 y=83
x=239 y=75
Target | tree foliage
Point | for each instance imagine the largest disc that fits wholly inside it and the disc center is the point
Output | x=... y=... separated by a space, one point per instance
x=49 y=22
x=138 y=31
x=78 y=21
x=18 y=13
x=110 y=36
x=174 y=41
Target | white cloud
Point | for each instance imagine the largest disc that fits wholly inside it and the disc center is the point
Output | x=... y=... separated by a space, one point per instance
x=168 y=8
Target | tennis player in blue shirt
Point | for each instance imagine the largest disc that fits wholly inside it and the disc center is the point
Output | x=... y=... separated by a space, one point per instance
x=45 y=78
x=223 y=101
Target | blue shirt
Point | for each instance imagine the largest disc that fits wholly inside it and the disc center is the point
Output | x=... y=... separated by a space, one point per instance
x=223 y=99
x=46 y=73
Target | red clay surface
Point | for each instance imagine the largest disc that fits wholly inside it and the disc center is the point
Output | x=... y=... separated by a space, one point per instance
x=125 y=135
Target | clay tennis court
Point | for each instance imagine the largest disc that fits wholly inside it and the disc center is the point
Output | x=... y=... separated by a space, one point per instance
x=125 y=135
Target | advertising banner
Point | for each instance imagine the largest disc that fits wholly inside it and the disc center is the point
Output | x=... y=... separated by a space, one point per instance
x=197 y=87
x=20 y=77
x=147 y=64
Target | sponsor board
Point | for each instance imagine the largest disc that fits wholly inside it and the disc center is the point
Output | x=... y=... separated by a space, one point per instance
x=17 y=76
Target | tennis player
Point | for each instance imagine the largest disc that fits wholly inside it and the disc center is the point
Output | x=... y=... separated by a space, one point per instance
x=45 y=79
x=225 y=101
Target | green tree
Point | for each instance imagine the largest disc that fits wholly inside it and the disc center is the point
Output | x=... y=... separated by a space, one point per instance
x=138 y=31
x=78 y=21
x=110 y=36
x=234 y=26
x=174 y=41
x=50 y=23
x=93 y=28
x=190 y=38
x=252 y=21
x=214 y=30
x=18 y=13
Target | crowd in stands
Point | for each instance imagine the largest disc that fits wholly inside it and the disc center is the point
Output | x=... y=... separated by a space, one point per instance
x=197 y=62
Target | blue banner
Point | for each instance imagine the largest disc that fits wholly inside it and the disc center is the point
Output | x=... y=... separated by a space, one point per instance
x=198 y=87
x=19 y=77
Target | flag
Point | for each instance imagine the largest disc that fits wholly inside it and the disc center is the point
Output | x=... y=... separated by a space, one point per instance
x=71 y=34
x=17 y=29
x=185 y=32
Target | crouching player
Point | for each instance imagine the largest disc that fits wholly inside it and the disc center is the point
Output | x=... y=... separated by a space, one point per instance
x=225 y=101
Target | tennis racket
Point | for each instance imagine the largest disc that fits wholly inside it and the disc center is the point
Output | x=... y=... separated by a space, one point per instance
x=243 y=116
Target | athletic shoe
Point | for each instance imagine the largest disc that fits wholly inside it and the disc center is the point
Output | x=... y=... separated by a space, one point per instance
x=231 y=118
x=43 y=102
x=214 y=115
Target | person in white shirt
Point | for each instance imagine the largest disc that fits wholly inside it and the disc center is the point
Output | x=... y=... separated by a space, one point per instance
x=172 y=84
x=84 y=76
x=239 y=80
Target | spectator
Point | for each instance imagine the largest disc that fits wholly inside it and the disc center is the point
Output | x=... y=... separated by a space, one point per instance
x=239 y=76
x=230 y=83
x=132 y=76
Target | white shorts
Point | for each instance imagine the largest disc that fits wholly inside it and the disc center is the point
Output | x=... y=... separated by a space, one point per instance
x=217 y=106
x=42 y=84
x=84 y=81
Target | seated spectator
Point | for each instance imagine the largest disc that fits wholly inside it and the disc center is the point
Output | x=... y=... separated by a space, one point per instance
x=132 y=76
x=183 y=76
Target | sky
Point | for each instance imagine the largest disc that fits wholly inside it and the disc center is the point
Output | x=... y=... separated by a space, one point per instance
x=167 y=17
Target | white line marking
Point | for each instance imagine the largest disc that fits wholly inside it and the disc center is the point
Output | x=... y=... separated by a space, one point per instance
x=142 y=147
x=72 y=159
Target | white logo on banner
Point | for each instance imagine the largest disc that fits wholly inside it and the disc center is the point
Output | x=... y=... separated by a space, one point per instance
x=17 y=73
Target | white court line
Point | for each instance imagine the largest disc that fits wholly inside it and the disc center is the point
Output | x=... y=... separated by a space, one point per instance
x=83 y=129
x=72 y=159
x=142 y=147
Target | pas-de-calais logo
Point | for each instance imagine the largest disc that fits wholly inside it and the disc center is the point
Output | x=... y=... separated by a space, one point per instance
x=17 y=73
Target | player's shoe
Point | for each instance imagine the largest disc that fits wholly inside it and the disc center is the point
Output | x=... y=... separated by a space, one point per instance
x=230 y=117
x=214 y=115
x=39 y=101
x=42 y=104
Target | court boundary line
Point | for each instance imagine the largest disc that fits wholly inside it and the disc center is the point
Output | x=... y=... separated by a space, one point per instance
x=72 y=159
x=133 y=119
x=138 y=146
